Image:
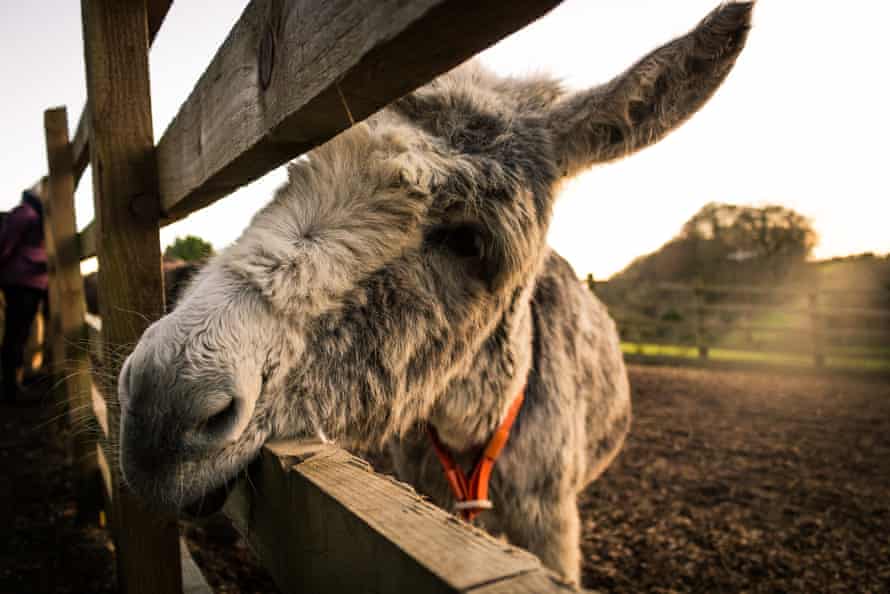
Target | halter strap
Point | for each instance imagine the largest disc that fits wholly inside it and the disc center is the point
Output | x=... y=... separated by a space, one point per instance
x=472 y=494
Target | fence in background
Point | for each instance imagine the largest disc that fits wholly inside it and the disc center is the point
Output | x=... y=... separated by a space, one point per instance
x=319 y=519
x=809 y=326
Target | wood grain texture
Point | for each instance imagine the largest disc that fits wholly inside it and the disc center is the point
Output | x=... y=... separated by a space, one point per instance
x=234 y=128
x=54 y=347
x=533 y=582
x=71 y=356
x=130 y=280
x=59 y=205
x=157 y=12
x=322 y=521
x=81 y=145
x=53 y=330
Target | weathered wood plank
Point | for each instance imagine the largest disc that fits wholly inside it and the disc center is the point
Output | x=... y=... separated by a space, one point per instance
x=81 y=146
x=533 y=582
x=131 y=284
x=53 y=330
x=198 y=156
x=61 y=233
x=281 y=82
x=71 y=358
x=54 y=334
x=55 y=341
x=313 y=510
x=157 y=11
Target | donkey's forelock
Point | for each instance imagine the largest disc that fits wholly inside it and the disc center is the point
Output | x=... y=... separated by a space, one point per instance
x=373 y=195
x=353 y=206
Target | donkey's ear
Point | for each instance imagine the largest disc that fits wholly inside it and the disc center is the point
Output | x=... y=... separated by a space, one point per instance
x=653 y=97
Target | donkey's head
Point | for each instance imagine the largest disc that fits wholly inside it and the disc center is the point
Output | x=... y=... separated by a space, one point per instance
x=386 y=262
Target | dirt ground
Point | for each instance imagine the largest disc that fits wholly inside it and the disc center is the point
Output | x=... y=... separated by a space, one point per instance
x=733 y=481
x=42 y=549
x=730 y=482
x=45 y=550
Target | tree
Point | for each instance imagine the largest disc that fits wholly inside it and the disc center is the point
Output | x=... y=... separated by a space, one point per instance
x=726 y=244
x=189 y=248
x=748 y=243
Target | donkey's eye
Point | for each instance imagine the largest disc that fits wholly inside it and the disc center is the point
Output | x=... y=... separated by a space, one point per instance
x=464 y=241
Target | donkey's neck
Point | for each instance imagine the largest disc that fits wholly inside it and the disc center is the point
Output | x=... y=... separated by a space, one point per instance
x=475 y=402
x=365 y=377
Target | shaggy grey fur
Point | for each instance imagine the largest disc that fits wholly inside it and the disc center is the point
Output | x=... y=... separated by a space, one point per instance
x=401 y=277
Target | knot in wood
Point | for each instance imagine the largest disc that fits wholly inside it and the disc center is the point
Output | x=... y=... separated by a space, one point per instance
x=266 y=58
x=146 y=206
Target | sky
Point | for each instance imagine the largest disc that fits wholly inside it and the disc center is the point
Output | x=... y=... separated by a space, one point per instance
x=800 y=121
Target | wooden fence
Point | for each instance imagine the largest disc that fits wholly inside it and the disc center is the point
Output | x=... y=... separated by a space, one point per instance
x=319 y=519
x=810 y=326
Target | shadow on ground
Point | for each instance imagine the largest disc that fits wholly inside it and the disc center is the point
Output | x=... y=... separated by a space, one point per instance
x=42 y=547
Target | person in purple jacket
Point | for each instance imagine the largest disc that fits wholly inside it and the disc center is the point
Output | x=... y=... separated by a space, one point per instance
x=23 y=278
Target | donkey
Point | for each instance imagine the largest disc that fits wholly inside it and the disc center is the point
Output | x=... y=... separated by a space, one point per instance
x=401 y=279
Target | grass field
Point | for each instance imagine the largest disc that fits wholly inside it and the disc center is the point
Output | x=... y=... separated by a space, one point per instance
x=851 y=358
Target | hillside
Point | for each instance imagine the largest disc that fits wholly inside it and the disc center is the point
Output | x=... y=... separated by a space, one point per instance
x=865 y=272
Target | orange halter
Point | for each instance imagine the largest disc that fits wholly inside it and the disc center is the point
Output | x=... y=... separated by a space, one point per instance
x=472 y=493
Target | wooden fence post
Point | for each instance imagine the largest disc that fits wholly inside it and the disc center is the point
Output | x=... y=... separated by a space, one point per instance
x=131 y=292
x=52 y=325
x=816 y=330
x=697 y=293
x=70 y=352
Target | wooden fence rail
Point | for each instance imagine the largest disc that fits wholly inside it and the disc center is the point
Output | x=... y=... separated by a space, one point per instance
x=304 y=72
x=366 y=533
x=291 y=75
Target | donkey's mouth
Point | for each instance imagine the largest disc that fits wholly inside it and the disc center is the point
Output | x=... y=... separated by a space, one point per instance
x=211 y=502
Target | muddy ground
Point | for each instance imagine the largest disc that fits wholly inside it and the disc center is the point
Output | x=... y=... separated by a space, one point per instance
x=730 y=482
